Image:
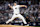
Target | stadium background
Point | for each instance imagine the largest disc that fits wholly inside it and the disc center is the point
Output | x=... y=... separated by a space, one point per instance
x=31 y=13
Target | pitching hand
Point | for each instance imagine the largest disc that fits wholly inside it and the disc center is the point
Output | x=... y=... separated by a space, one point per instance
x=8 y=4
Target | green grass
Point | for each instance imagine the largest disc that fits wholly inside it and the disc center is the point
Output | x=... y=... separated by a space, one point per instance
x=37 y=26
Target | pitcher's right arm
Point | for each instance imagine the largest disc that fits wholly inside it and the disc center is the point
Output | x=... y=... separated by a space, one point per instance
x=10 y=6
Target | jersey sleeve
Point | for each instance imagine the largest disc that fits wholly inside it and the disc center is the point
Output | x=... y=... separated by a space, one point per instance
x=18 y=5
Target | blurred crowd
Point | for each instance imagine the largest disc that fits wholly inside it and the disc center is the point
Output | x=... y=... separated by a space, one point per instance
x=31 y=13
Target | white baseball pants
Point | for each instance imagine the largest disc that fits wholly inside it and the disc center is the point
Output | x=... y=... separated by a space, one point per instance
x=19 y=16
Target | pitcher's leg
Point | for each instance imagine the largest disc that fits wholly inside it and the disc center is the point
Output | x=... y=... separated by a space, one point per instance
x=13 y=17
x=23 y=19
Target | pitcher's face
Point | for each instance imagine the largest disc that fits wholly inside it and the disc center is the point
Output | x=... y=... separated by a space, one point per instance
x=15 y=4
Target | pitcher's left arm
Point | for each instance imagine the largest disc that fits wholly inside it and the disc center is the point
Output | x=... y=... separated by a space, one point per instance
x=23 y=6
